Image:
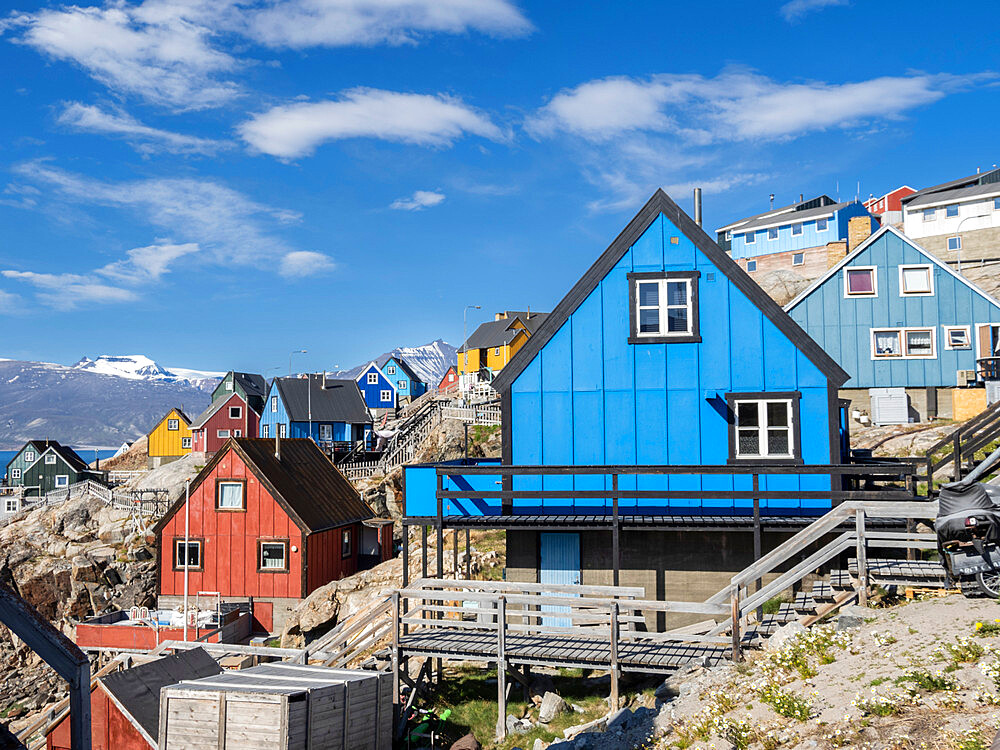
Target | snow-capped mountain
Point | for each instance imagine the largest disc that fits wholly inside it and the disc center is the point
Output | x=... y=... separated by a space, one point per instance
x=430 y=361
x=141 y=367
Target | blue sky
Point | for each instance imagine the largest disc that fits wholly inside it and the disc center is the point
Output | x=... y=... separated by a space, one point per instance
x=216 y=182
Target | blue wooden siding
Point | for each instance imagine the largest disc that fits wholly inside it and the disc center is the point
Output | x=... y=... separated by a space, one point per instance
x=810 y=237
x=372 y=392
x=405 y=385
x=590 y=397
x=559 y=564
x=273 y=418
x=842 y=326
x=341 y=431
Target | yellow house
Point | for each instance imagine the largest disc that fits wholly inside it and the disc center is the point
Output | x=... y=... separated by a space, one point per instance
x=170 y=439
x=491 y=346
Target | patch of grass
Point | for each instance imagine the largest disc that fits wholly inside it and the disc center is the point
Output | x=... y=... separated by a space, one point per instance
x=932 y=682
x=970 y=739
x=771 y=606
x=7 y=711
x=786 y=704
x=962 y=650
x=987 y=628
x=878 y=681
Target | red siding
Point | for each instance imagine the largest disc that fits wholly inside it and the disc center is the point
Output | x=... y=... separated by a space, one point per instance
x=230 y=541
x=109 y=728
x=206 y=438
x=325 y=561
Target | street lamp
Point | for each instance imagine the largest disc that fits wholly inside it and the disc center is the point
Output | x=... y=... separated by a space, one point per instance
x=958 y=229
x=296 y=351
x=465 y=335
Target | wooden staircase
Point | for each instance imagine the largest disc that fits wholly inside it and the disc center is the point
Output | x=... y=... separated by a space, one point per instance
x=960 y=448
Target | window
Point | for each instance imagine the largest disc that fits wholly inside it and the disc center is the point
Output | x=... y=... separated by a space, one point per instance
x=264 y=430
x=273 y=557
x=50 y=459
x=401 y=384
x=451 y=377
x=929 y=214
x=764 y=426
x=916 y=280
x=951 y=211
x=390 y=370
x=229 y=385
x=886 y=344
x=237 y=433
x=229 y=494
x=10 y=505
x=222 y=433
x=664 y=307
x=62 y=480
x=496 y=351
x=954 y=243
x=385 y=396
x=796 y=229
x=750 y=238
x=185 y=442
x=15 y=473
x=957 y=337
x=821 y=225
x=345 y=543
x=187 y=554
x=274 y=404
x=772 y=233
x=373 y=378
x=996 y=204
x=282 y=430
x=798 y=259
x=729 y=236
x=751 y=266
x=860 y=281
x=326 y=432
x=236 y=412
x=173 y=424
x=920 y=343
x=29 y=457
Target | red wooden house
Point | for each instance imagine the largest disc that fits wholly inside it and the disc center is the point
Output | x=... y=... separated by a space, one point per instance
x=269 y=519
x=125 y=706
x=228 y=416
x=449 y=383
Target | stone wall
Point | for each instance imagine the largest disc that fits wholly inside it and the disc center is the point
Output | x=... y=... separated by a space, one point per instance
x=976 y=245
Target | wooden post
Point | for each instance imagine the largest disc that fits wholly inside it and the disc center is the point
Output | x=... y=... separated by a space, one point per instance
x=615 y=551
x=406 y=556
x=455 y=553
x=440 y=529
x=423 y=550
x=756 y=538
x=614 y=655
x=859 y=527
x=79 y=709
x=734 y=600
x=468 y=557
x=396 y=663
x=501 y=668
x=957 y=450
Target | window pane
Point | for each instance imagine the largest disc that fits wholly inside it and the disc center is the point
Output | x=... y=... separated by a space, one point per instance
x=747 y=414
x=231 y=495
x=748 y=442
x=772 y=233
x=860 y=282
x=677 y=320
x=677 y=293
x=272 y=556
x=777 y=442
x=777 y=414
x=958 y=338
x=820 y=225
x=916 y=280
x=918 y=343
x=887 y=343
x=649 y=294
x=649 y=321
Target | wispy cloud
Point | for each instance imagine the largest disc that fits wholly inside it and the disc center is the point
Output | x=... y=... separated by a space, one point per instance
x=796 y=9
x=303 y=263
x=68 y=291
x=293 y=130
x=10 y=303
x=420 y=200
x=144 y=138
x=143 y=264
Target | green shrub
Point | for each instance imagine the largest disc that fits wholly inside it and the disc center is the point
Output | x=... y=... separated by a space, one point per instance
x=787 y=704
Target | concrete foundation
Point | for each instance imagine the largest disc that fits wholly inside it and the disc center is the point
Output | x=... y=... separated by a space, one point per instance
x=926 y=404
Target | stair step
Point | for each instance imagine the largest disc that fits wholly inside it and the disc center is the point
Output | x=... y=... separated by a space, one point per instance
x=786 y=613
x=822 y=591
x=841 y=579
x=897 y=572
x=804 y=603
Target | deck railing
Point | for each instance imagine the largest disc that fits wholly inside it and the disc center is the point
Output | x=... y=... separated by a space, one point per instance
x=959 y=447
x=988 y=368
x=481 y=414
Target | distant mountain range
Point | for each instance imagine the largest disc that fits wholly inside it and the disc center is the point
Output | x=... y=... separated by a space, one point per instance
x=114 y=398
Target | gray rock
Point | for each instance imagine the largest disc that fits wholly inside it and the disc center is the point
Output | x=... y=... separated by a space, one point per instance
x=677 y=684
x=784 y=634
x=597 y=725
x=852 y=616
x=619 y=720
x=516 y=725
x=551 y=706
x=539 y=745
x=540 y=685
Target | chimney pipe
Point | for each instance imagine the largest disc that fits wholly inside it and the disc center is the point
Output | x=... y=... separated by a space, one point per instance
x=277 y=442
x=772 y=200
x=324 y=380
x=801 y=197
x=697 y=206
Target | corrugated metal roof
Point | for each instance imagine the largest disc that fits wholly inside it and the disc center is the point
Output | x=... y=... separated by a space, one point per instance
x=792 y=217
x=252 y=383
x=740 y=224
x=494 y=333
x=406 y=369
x=953 y=195
x=339 y=401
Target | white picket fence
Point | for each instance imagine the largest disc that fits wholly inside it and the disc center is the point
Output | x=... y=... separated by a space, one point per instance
x=144 y=502
x=116 y=477
x=482 y=414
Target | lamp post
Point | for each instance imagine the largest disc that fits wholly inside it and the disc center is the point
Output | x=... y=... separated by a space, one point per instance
x=465 y=336
x=958 y=229
x=296 y=351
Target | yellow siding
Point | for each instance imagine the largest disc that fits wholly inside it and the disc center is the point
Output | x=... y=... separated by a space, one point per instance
x=473 y=355
x=164 y=442
x=497 y=358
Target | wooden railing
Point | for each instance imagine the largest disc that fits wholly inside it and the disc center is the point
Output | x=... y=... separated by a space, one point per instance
x=482 y=414
x=403 y=446
x=358 y=636
x=116 y=477
x=152 y=502
x=960 y=447
x=988 y=368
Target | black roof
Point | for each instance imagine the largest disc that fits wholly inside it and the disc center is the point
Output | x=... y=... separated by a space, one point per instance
x=339 y=401
x=499 y=332
x=137 y=690
x=980 y=178
x=661 y=203
x=68 y=455
x=312 y=491
x=798 y=206
x=251 y=383
x=406 y=368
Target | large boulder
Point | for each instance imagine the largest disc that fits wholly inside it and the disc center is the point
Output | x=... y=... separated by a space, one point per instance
x=552 y=706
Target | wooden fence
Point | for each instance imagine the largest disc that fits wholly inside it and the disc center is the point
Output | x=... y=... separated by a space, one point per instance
x=482 y=414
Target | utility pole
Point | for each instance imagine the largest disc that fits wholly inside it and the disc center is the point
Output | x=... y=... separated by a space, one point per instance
x=296 y=351
x=465 y=337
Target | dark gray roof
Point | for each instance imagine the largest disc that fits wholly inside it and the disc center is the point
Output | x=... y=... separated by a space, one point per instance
x=498 y=333
x=973 y=179
x=339 y=401
x=137 y=690
x=739 y=224
x=792 y=217
x=70 y=457
x=252 y=383
x=954 y=194
x=202 y=418
x=406 y=368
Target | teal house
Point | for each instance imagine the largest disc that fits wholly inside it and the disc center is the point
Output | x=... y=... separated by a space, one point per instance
x=55 y=467
x=407 y=383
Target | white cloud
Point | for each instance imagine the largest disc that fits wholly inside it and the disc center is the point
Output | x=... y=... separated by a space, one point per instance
x=10 y=302
x=293 y=130
x=68 y=291
x=301 y=263
x=796 y=9
x=148 y=263
x=146 y=139
x=420 y=200
x=334 y=23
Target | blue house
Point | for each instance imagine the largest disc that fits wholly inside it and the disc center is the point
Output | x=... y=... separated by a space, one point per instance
x=408 y=384
x=895 y=316
x=799 y=236
x=665 y=354
x=331 y=412
x=378 y=391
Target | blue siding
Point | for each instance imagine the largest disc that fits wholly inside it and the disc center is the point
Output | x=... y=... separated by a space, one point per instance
x=810 y=237
x=559 y=564
x=372 y=392
x=405 y=385
x=842 y=325
x=339 y=431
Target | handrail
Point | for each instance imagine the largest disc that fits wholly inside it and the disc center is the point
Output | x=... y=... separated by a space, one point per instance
x=974 y=433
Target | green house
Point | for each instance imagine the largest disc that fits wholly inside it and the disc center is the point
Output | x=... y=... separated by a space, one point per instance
x=25 y=457
x=56 y=468
x=251 y=386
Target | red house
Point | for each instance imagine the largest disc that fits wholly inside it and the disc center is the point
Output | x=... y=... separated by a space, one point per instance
x=888 y=208
x=228 y=416
x=449 y=383
x=269 y=519
x=125 y=706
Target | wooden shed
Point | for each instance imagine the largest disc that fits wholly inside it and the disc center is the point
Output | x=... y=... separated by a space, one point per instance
x=282 y=706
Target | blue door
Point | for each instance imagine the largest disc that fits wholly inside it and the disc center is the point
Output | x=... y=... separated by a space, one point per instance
x=559 y=557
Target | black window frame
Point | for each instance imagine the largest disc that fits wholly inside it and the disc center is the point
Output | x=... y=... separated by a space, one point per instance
x=200 y=541
x=694 y=337
x=796 y=426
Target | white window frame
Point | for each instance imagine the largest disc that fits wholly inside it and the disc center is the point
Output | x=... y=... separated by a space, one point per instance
x=930 y=280
x=62 y=480
x=326 y=432
x=958 y=246
x=754 y=269
x=763 y=427
x=796 y=229
x=237 y=433
x=826 y=224
x=222 y=434
x=180 y=564
x=948 y=211
x=238 y=412
x=29 y=457
x=902 y=338
x=243 y=500
x=401 y=385
x=929 y=214
x=264 y=430
x=185 y=442
x=390 y=370
x=284 y=555
x=750 y=238
x=874 y=274
x=385 y=395
x=50 y=459
x=15 y=473
x=798 y=259
x=664 y=307
x=373 y=378
x=12 y=505
x=282 y=429
x=496 y=351
x=274 y=404
x=948 y=330
x=899 y=343
x=173 y=425
x=772 y=231
x=906 y=344
x=229 y=385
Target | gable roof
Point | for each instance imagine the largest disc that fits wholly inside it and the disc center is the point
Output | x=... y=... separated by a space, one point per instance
x=38 y=446
x=251 y=383
x=864 y=245
x=180 y=413
x=221 y=401
x=803 y=205
x=495 y=333
x=136 y=691
x=792 y=217
x=661 y=203
x=339 y=401
x=304 y=482
x=406 y=369
x=68 y=455
x=978 y=179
